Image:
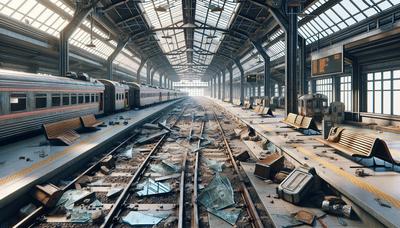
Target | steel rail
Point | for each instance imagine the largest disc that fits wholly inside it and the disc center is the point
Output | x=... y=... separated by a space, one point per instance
x=117 y=207
x=246 y=194
x=195 y=214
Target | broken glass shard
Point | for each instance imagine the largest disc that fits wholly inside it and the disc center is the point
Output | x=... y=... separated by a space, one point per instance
x=217 y=166
x=135 y=218
x=151 y=187
x=218 y=194
x=230 y=215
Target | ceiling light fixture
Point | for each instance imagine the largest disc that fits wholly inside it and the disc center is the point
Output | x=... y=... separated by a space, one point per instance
x=91 y=44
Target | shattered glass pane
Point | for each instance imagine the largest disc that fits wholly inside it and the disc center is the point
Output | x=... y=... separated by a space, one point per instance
x=80 y=216
x=165 y=168
x=230 y=215
x=218 y=194
x=217 y=166
x=135 y=218
x=150 y=187
x=127 y=154
x=69 y=197
x=114 y=192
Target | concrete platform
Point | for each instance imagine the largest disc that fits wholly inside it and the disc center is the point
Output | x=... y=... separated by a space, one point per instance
x=335 y=169
x=17 y=175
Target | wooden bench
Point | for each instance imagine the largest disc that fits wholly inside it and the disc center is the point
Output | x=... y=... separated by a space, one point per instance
x=247 y=105
x=63 y=131
x=300 y=122
x=263 y=111
x=358 y=145
x=90 y=121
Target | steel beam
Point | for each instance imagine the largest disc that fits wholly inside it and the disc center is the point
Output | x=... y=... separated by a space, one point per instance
x=121 y=44
x=80 y=14
x=291 y=63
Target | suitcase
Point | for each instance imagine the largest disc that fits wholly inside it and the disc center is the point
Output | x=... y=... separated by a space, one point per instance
x=296 y=185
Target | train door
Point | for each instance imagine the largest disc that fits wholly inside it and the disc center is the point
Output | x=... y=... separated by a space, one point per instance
x=160 y=97
x=101 y=102
x=126 y=99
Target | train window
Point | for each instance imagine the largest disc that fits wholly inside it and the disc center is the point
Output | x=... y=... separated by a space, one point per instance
x=80 y=98
x=92 y=95
x=97 y=97
x=17 y=102
x=65 y=99
x=73 y=99
x=41 y=100
x=55 y=100
x=87 y=98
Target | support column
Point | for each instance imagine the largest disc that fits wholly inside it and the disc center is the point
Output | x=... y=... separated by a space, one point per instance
x=223 y=85
x=258 y=89
x=303 y=88
x=239 y=65
x=267 y=68
x=110 y=59
x=80 y=14
x=215 y=86
x=152 y=76
x=336 y=88
x=230 y=84
x=356 y=88
x=160 y=82
x=142 y=62
x=291 y=62
x=211 y=87
x=148 y=73
x=219 y=86
x=165 y=81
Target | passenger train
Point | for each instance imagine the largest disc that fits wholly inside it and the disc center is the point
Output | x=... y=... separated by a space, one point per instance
x=29 y=100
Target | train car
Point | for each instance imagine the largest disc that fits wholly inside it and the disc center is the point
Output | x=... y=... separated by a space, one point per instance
x=150 y=95
x=29 y=100
x=313 y=105
x=116 y=96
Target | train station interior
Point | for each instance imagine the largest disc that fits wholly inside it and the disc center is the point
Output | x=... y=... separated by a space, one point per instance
x=200 y=113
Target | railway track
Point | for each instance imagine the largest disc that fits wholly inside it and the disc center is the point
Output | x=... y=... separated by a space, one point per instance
x=165 y=180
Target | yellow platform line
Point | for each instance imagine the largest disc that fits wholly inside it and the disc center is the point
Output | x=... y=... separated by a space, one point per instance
x=353 y=179
x=23 y=172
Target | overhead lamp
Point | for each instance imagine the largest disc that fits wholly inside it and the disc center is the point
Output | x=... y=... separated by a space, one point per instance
x=190 y=50
x=91 y=44
x=161 y=8
x=211 y=36
x=215 y=8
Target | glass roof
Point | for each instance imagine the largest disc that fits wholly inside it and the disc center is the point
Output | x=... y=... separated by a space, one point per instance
x=340 y=16
x=168 y=13
x=36 y=14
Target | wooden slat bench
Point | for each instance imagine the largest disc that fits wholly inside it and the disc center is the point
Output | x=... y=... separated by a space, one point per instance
x=300 y=122
x=358 y=145
x=90 y=121
x=63 y=131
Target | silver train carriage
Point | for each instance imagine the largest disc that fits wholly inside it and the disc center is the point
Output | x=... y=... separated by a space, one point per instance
x=313 y=105
x=116 y=96
x=29 y=100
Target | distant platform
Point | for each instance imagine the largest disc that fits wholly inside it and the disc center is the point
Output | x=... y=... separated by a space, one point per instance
x=28 y=162
x=336 y=170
